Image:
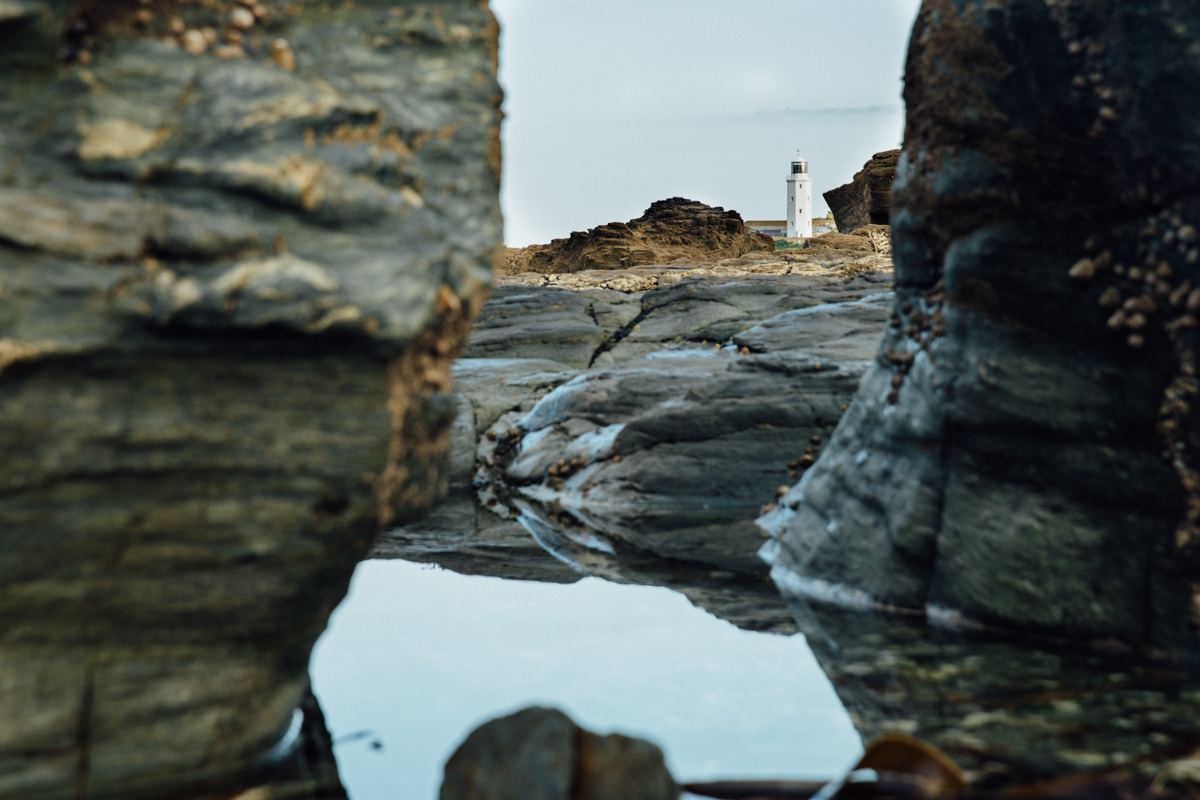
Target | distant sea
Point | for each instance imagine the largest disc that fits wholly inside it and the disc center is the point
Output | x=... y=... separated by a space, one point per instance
x=569 y=175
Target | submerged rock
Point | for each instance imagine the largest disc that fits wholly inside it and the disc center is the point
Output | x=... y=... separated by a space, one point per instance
x=866 y=200
x=1023 y=453
x=669 y=230
x=540 y=754
x=1009 y=712
x=230 y=293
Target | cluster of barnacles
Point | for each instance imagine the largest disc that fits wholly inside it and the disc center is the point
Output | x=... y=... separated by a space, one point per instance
x=922 y=322
x=562 y=470
x=1077 y=25
x=1152 y=294
x=220 y=27
x=1149 y=288
x=798 y=467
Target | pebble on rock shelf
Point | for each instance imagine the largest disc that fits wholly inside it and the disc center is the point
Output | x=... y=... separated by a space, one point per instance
x=194 y=42
x=1084 y=270
x=282 y=54
x=242 y=18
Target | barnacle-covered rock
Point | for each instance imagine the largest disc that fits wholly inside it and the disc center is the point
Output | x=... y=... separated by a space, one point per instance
x=1032 y=461
x=230 y=293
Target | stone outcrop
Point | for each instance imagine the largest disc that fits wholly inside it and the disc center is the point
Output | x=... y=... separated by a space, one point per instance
x=1024 y=452
x=669 y=230
x=867 y=199
x=233 y=277
x=732 y=348
x=540 y=754
x=636 y=436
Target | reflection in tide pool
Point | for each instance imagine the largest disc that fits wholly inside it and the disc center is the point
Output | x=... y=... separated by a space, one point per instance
x=420 y=656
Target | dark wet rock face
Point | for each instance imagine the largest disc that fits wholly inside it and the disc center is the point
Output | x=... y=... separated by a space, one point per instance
x=540 y=754
x=230 y=293
x=1023 y=450
x=1007 y=712
x=867 y=199
x=670 y=229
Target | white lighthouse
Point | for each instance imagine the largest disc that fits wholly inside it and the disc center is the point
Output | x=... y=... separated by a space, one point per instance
x=799 y=207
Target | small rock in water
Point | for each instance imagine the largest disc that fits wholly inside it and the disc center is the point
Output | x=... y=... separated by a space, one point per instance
x=540 y=754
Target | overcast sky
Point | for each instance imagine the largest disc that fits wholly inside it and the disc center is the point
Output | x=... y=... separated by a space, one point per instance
x=612 y=105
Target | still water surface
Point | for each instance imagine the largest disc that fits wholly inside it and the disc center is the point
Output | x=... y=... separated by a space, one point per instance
x=420 y=656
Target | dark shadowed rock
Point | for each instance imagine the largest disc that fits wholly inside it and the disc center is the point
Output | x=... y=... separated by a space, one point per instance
x=230 y=293
x=867 y=199
x=1024 y=451
x=1008 y=712
x=540 y=754
x=669 y=230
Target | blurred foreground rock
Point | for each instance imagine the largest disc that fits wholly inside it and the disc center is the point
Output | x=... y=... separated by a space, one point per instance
x=231 y=289
x=540 y=754
x=1024 y=452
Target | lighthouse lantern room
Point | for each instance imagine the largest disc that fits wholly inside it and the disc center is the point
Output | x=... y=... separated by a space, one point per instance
x=799 y=207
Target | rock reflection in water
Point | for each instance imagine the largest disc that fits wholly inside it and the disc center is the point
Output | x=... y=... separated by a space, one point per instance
x=1007 y=711
x=421 y=656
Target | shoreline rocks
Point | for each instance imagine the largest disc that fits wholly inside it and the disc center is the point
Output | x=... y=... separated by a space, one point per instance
x=1022 y=455
x=636 y=436
x=867 y=199
x=670 y=230
x=230 y=297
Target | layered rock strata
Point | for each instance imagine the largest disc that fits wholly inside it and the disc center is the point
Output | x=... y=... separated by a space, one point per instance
x=231 y=287
x=867 y=199
x=1023 y=453
x=637 y=435
x=669 y=230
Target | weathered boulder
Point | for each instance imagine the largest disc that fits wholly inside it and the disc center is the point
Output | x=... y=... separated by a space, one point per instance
x=867 y=199
x=669 y=230
x=540 y=754
x=1024 y=451
x=232 y=281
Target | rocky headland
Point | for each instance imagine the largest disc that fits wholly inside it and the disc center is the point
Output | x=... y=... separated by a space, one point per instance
x=867 y=199
x=671 y=230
